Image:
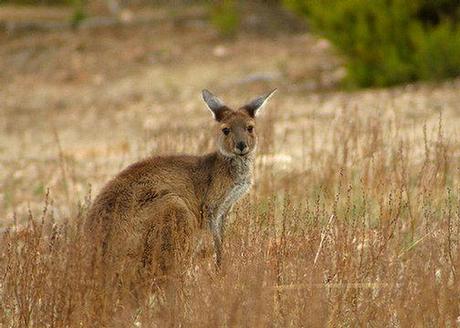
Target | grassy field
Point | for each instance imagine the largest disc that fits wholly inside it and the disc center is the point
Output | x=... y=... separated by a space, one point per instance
x=354 y=219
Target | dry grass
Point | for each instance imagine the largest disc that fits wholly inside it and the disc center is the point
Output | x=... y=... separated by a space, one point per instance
x=354 y=219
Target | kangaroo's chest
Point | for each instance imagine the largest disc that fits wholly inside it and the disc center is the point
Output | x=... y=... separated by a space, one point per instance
x=235 y=192
x=230 y=190
x=241 y=183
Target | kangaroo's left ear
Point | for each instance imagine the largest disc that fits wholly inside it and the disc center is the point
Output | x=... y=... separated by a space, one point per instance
x=253 y=108
x=215 y=105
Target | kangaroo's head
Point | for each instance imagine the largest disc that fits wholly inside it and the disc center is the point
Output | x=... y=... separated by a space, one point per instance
x=236 y=133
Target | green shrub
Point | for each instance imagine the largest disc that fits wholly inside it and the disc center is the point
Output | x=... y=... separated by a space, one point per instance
x=79 y=13
x=225 y=17
x=387 y=42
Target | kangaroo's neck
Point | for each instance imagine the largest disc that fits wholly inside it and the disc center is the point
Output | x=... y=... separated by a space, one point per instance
x=238 y=167
x=220 y=170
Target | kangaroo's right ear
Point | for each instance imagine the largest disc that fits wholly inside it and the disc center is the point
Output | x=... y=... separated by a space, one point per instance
x=215 y=105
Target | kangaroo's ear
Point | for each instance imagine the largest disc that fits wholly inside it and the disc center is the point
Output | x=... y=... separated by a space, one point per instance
x=253 y=108
x=215 y=105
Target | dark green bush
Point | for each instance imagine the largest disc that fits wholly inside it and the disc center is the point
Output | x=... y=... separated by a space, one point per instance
x=225 y=17
x=387 y=42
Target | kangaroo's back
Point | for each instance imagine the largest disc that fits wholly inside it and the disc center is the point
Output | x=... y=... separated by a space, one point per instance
x=130 y=204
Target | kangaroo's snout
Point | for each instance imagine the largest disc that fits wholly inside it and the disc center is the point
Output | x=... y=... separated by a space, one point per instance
x=241 y=147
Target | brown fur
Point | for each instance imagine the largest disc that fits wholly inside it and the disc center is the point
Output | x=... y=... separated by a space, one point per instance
x=153 y=210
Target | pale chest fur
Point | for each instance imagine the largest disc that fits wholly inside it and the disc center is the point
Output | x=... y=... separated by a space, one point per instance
x=241 y=181
x=234 y=194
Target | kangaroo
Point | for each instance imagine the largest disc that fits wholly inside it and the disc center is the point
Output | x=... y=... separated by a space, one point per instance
x=152 y=208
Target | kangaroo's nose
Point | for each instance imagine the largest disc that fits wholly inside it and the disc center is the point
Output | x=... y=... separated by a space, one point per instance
x=241 y=146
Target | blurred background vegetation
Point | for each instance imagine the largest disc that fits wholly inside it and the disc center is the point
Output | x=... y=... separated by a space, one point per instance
x=387 y=42
x=382 y=42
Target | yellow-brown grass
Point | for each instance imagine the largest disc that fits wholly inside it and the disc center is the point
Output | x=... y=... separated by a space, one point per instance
x=373 y=243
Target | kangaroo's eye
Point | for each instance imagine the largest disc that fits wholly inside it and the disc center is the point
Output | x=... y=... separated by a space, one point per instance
x=250 y=128
x=226 y=131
